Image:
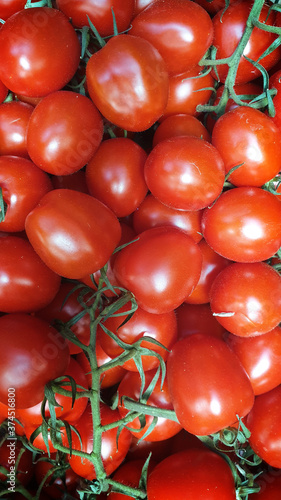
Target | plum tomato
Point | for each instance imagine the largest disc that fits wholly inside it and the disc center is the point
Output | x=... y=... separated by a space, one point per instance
x=161 y=268
x=208 y=384
x=14 y=118
x=10 y=7
x=180 y=124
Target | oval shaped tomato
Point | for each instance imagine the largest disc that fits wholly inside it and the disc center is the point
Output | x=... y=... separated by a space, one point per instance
x=27 y=284
x=69 y=231
x=246 y=135
x=23 y=185
x=40 y=51
x=130 y=386
x=33 y=353
x=246 y=298
x=128 y=81
x=194 y=473
x=14 y=118
x=180 y=124
x=208 y=385
x=64 y=132
x=260 y=357
x=186 y=24
x=244 y=224
x=186 y=173
x=161 y=268
x=118 y=164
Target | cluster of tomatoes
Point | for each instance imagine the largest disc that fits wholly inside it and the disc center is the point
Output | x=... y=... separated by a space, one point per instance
x=140 y=228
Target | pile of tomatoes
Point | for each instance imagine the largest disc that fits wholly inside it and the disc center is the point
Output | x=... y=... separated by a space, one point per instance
x=140 y=228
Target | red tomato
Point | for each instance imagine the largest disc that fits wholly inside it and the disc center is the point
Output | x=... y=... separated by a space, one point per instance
x=197 y=318
x=260 y=357
x=186 y=92
x=113 y=450
x=246 y=298
x=152 y=213
x=213 y=6
x=58 y=483
x=244 y=224
x=33 y=353
x=208 y=384
x=264 y=424
x=161 y=327
x=64 y=132
x=175 y=168
x=23 y=185
x=10 y=7
x=69 y=231
x=129 y=474
x=76 y=181
x=27 y=284
x=193 y=474
x=161 y=268
x=248 y=136
x=40 y=51
x=130 y=386
x=212 y=265
x=14 y=118
x=228 y=30
x=128 y=81
x=39 y=442
x=141 y=4
x=180 y=124
x=11 y=411
x=9 y=452
x=182 y=21
x=118 y=164
x=108 y=378
x=3 y=91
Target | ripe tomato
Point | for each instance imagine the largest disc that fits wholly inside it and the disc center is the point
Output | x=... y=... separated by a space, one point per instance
x=130 y=386
x=23 y=185
x=27 y=284
x=33 y=353
x=186 y=173
x=40 y=51
x=100 y=13
x=64 y=132
x=3 y=91
x=128 y=81
x=182 y=21
x=152 y=213
x=197 y=318
x=129 y=473
x=14 y=118
x=193 y=473
x=208 y=384
x=9 y=452
x=113 y=449
x=244 y=224
x=260 y=357
x=246 y=298
x=39 y=442
x=161 y=327
x=213 y=6
x=69 y=231
x=246 y=135
x=118 y=164
x=228 y=30
x=10 y=7
x=161 y=268
x=263 y=422
x=180 y=124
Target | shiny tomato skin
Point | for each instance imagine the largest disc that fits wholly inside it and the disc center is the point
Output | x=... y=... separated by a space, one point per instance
x=23 y=185
x=33 y=354
x=40 y=51
x=118 y=164
x=197 y=318
x=10 y=7
x=14 y=118
x=194 y=473
x=128 y=82
x=208 y=384
x=246 y=298
x=27 y=284
x=100 y=14
x=60 y=115
x=152 y=213
x=180 y=124
x=212 y=264
x=244 y=225
x=130 y=386
x=182 y=21
x=263 y=422
x=113 y=451
x=260 y=357
x=185 y=173
x=69 y=231
x=228 y=30
x=246 y=135
x=161 y=268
